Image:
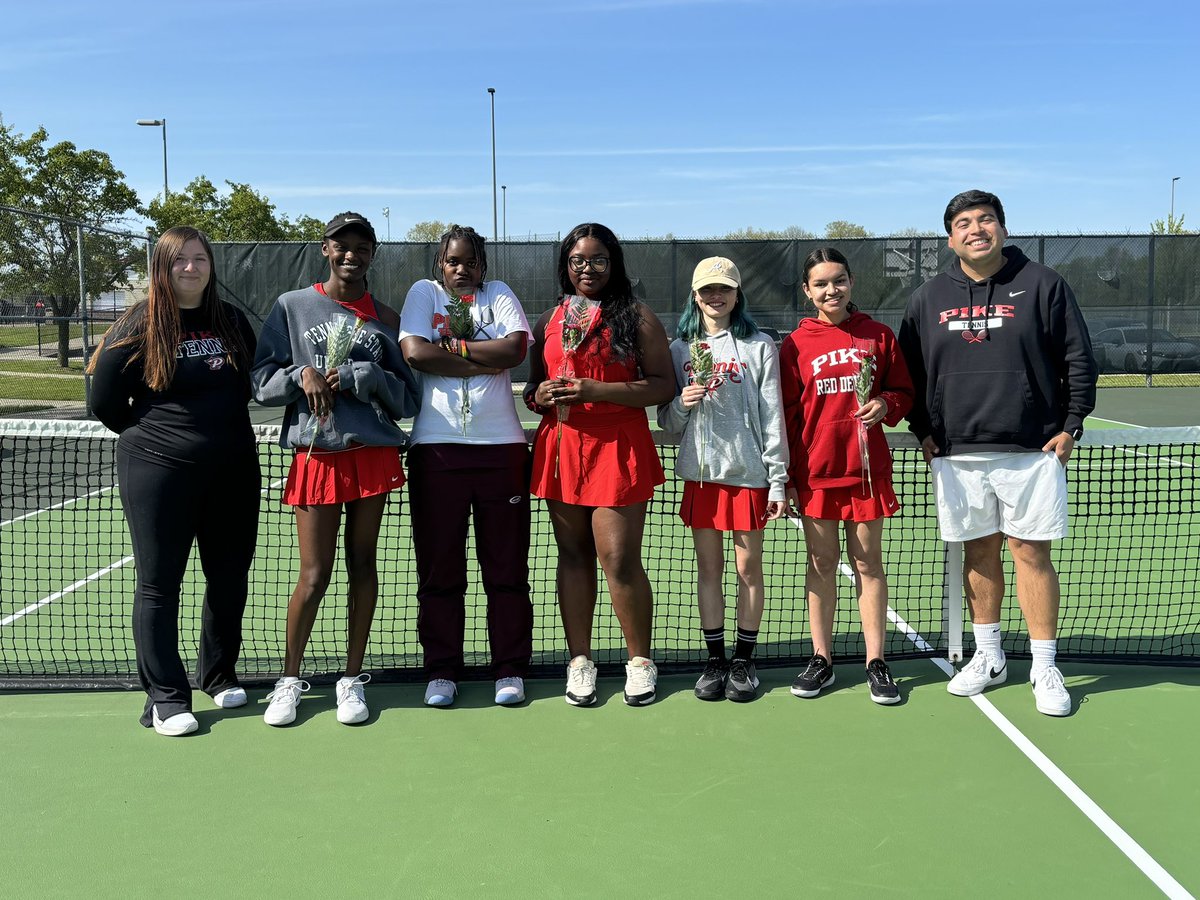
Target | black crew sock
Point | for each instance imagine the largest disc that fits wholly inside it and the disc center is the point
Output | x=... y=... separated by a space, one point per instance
x=715 y=640
x=746 y=640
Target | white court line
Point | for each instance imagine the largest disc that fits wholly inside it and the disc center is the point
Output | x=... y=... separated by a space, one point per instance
x=1102 y=820
x=50 y=598
x=63 y=505
x=58 y=595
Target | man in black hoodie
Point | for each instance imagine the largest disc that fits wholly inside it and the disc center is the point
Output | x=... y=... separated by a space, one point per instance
x=1004 y=377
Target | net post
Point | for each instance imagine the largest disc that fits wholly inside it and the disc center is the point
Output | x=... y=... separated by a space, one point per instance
x=953 y=602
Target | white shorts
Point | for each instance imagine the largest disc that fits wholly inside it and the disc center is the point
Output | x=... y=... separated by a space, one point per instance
x=1021 y=495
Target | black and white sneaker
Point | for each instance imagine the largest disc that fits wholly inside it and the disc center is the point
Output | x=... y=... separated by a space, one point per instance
x=817 y=676
x=879 y=678
x=742 y=685
x=711 y=684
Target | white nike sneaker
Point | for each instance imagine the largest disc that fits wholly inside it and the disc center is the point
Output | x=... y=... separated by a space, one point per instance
x=1050 y=694
x=981 y=672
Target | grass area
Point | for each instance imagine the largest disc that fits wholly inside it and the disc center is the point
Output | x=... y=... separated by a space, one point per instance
x=1161 y=379
x=41 y=366
x=27 y=387
x=27 y=335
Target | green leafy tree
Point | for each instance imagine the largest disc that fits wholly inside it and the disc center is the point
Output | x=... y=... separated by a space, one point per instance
x=75 y=189
x=1170 y=225
x=841 y=230
x=427 y=231
x=791 y=233
x=242 y=214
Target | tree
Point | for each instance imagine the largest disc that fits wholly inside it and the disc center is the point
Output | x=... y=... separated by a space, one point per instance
x=79 y=192
x=841 y=229
x=915 y=232
x=791 y=233
x=241 y=215
x=428 y=232
x=1171 y=225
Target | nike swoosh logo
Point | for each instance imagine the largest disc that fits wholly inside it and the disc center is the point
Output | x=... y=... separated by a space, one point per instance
x=395 y=478
x=998 y=672
x=1015 y=293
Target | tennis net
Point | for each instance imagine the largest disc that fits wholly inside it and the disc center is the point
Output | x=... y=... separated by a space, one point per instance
x=1128 y=571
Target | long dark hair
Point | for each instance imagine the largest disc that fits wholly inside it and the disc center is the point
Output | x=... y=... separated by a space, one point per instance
x=622 y=315
x=155 y=324
x=454 y=233
x=829 y=255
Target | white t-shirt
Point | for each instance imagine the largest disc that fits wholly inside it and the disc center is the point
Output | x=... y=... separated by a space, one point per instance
x=492 y=416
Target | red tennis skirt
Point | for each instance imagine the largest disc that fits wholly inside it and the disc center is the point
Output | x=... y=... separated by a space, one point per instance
x=342 y=476
x=723 y=507
x=851 y=503
x=596 y=463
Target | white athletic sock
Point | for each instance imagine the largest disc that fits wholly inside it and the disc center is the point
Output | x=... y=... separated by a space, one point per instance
x=987 y=638
x=1043 y=657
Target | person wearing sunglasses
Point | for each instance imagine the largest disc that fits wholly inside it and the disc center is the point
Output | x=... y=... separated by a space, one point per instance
x=604 y=358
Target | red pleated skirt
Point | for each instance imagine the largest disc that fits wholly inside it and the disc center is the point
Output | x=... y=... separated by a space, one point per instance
x=852 y=503
x=342 y=476
x=723 y=507
x=598 y=461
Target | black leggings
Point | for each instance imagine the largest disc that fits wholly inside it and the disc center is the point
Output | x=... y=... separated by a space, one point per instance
x=167 y=506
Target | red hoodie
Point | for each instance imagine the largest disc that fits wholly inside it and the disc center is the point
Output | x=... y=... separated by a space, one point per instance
x=818 y=370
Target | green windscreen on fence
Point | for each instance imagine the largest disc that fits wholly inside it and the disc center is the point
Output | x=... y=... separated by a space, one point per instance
x=1128 y=570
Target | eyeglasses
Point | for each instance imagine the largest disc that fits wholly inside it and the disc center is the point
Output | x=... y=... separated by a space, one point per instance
x=599 y=264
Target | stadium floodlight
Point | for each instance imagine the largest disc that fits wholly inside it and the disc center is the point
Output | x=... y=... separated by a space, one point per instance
x=157 y=123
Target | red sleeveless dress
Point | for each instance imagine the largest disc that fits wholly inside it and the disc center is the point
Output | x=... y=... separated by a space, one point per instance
x=604 y=454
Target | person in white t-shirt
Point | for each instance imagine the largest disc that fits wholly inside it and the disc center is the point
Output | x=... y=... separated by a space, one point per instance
x=468 y=458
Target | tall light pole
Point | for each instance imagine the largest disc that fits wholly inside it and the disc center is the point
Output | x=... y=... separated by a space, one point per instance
x=387 y=214
x=1171 y=221
x=504 y=207
x=495 y=224
x=157 y=123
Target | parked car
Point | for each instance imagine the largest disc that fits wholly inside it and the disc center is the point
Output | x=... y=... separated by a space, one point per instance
x=1127 y=349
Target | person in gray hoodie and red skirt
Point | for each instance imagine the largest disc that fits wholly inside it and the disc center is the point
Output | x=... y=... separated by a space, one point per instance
x=732 y=459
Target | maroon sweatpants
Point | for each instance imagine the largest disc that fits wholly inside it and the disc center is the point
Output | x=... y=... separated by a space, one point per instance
x=448 y=484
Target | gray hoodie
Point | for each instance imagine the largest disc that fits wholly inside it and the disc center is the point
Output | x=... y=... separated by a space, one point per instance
x=738 y=426
x=378 y=385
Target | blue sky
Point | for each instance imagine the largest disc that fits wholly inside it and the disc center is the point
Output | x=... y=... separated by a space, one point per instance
x=691 y=117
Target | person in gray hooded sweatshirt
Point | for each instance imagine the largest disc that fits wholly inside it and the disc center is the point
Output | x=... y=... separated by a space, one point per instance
x=733 y=459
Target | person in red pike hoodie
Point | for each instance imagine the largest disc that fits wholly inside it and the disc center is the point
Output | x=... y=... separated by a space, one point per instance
x=841 y=470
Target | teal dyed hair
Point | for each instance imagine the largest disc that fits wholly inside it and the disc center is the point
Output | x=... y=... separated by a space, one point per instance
x=741 y=323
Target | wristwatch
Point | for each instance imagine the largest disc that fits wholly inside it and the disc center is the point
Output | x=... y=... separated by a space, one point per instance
x=1077 y=433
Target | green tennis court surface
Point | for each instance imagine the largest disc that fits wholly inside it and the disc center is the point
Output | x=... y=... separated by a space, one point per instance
x=834 y=796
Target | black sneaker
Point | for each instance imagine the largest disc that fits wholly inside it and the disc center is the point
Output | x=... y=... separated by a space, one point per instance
x=711 y=685
x=883 y=689
x=817 y=676
x=743 y=681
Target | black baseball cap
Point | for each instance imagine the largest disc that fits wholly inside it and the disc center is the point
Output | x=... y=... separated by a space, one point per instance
x=349 y=220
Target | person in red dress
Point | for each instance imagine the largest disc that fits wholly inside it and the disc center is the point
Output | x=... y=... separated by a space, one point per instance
x=841 y=469
x=594 y=460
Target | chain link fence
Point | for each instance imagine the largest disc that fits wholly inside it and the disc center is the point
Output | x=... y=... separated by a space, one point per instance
x=62 y=283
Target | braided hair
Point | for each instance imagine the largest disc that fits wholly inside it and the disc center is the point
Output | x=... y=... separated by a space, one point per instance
x=464 y=233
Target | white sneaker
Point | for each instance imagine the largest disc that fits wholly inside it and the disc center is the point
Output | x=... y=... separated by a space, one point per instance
x=581 y=681
x=981 y=672
x=641 y=676
x=1050 y=693
x=351 y=702
x=230 y=698
x=176 y=725
x=440 y=692
x=510 y=691
x=284 y=700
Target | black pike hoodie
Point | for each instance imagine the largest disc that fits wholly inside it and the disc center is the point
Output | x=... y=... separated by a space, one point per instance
x=999 y=364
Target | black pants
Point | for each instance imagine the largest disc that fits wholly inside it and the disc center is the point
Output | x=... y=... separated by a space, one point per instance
x=448 y=485
x=169 y=505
